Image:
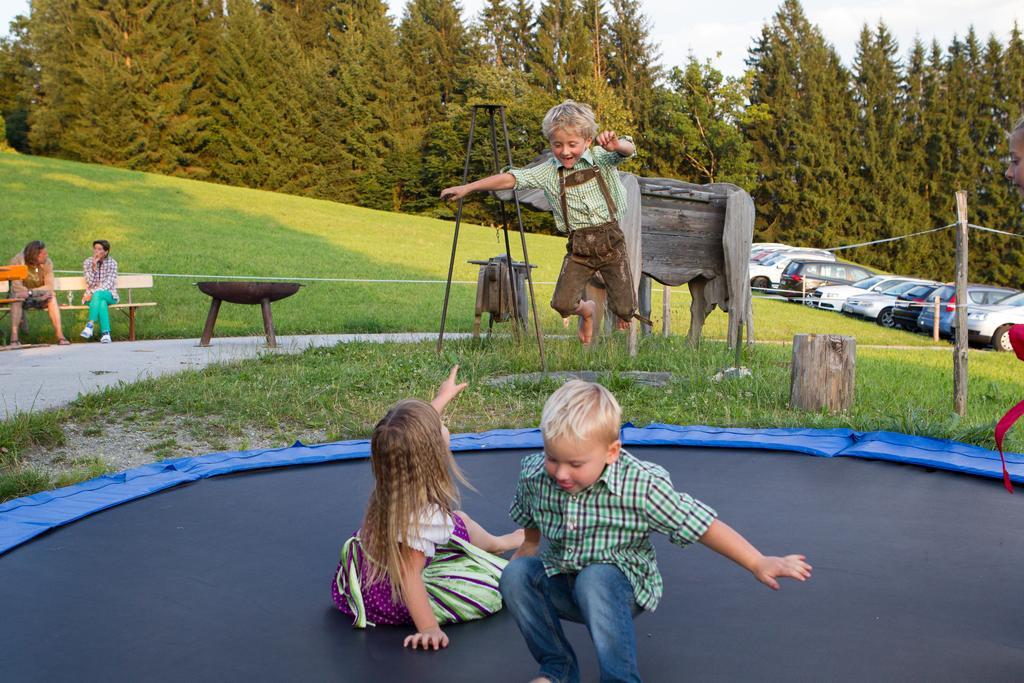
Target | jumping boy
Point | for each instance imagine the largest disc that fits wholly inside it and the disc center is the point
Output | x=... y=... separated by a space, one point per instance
x=588 y=200
x=597 y=505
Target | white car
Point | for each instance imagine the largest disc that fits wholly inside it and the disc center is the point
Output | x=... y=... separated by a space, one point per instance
x=878 y=306
x=990 y=324
x=833 y=297
x=765 y=274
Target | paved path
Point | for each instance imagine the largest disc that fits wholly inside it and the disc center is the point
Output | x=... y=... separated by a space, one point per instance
x=40 y=377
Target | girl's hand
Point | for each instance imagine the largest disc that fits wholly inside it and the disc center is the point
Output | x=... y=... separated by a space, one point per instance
x=609 y=140
x=86 y=297
x=448 y=390
x=791 y=566
x=432 y=639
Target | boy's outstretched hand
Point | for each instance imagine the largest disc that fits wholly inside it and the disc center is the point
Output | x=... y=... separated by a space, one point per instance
x=451 y=193
x=448 y=390
x=769 y=568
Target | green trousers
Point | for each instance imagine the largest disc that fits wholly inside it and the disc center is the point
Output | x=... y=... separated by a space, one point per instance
x=98 y=304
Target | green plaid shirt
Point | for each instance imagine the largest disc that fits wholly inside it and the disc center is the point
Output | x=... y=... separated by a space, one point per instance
x=586 y=204
x=611 y=521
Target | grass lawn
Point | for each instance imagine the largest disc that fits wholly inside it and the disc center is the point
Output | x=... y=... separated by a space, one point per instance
x=172 y=226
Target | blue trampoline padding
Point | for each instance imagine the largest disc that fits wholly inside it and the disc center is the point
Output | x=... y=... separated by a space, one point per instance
x=24 y=518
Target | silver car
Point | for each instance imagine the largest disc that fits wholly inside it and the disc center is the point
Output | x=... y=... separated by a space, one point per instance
x=878 y=306
x=991 y=324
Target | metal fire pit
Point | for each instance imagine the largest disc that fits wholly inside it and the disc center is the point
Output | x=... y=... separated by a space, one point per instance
x=234 y=292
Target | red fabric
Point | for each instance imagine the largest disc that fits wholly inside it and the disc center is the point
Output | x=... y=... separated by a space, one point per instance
x=1002 y=427
x=1017 y=340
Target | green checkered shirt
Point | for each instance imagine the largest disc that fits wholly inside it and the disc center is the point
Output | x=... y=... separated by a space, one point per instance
x=586 y=204
x=611 y=521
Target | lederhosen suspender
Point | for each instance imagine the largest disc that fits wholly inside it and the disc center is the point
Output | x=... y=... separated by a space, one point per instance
x=578 y=178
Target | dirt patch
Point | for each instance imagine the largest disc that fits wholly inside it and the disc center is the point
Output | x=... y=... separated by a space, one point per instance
x=125 y=445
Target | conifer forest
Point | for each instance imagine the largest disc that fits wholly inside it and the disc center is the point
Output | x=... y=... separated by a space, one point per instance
x=335 y=99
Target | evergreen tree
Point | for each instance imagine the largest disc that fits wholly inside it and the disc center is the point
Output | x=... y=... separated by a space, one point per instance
x=436 y=46
x=496 y=32
x=17 y=77
x=522 y=38
x=563 y=52
x=55 y=28
x=801 y=139
x=369 y=127
x=633 y=70
x=262 y=131
x=884 y=201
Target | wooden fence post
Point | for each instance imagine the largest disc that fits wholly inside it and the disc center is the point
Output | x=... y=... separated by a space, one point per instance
x=935 y=322
x=960 y=347
x=666 y=311
x=823 y=372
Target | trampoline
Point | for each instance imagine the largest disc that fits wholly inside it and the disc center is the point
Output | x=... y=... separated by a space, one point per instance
x=228 y=578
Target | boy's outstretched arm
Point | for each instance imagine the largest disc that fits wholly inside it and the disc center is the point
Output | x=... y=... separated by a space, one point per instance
x=725 y=540
x=530 y=546
x=499 y=181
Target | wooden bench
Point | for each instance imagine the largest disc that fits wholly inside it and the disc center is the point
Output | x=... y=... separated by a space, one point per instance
x=67 y=286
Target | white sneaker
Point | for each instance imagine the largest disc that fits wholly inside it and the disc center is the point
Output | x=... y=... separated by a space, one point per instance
x=87 y=332
x=105 y=339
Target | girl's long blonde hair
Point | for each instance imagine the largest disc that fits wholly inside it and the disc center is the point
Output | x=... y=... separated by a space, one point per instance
x=413 y=469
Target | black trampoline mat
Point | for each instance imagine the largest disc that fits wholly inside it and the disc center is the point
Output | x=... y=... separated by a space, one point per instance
x=915 y=578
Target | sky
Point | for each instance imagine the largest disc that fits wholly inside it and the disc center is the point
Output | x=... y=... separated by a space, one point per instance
x=684 y=27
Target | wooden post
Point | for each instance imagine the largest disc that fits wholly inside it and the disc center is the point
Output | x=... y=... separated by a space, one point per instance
x=935 y=322
x=823 y=372
x=644 y=292
x=960 y=347
x=666 y=311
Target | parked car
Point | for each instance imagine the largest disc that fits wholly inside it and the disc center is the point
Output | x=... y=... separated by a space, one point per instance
x=767 y=273
x=976 y=294
x=907 y=308
x=803 y=275
x=878 y=306
x=990 y=324
x=833 y=297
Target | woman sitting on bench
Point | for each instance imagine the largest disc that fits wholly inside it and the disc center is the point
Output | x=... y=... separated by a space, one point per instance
x=100 y=272
x=36 y=290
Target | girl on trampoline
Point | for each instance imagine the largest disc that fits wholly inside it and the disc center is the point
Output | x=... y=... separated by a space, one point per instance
x=416 y=559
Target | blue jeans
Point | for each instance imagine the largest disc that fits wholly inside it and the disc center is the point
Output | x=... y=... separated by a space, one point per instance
x=600 y=596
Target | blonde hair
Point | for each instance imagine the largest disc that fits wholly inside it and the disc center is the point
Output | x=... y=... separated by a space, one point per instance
x=572 y=116
x=581 y=410
x=1017 y=128
x=412 y=469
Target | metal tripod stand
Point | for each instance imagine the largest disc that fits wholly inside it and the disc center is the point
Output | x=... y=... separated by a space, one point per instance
x=516 y=317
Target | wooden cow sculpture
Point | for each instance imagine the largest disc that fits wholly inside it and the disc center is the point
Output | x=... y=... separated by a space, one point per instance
x=699 y=235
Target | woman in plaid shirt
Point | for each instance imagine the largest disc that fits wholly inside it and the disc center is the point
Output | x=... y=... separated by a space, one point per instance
x=597 y=505
x=100 y=272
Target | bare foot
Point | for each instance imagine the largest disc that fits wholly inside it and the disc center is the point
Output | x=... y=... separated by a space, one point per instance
x=585 y=310
x=621 y=324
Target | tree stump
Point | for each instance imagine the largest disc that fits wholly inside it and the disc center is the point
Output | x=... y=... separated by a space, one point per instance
x=823 y=372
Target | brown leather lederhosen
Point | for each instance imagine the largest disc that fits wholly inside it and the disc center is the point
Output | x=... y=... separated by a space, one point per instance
x=599 y=248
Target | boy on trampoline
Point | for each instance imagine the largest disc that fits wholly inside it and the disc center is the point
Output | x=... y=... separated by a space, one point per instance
x=597 y=505
x=582 y=185
x=416 y=559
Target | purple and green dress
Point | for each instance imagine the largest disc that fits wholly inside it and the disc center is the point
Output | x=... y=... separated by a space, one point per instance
x=461 y=579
